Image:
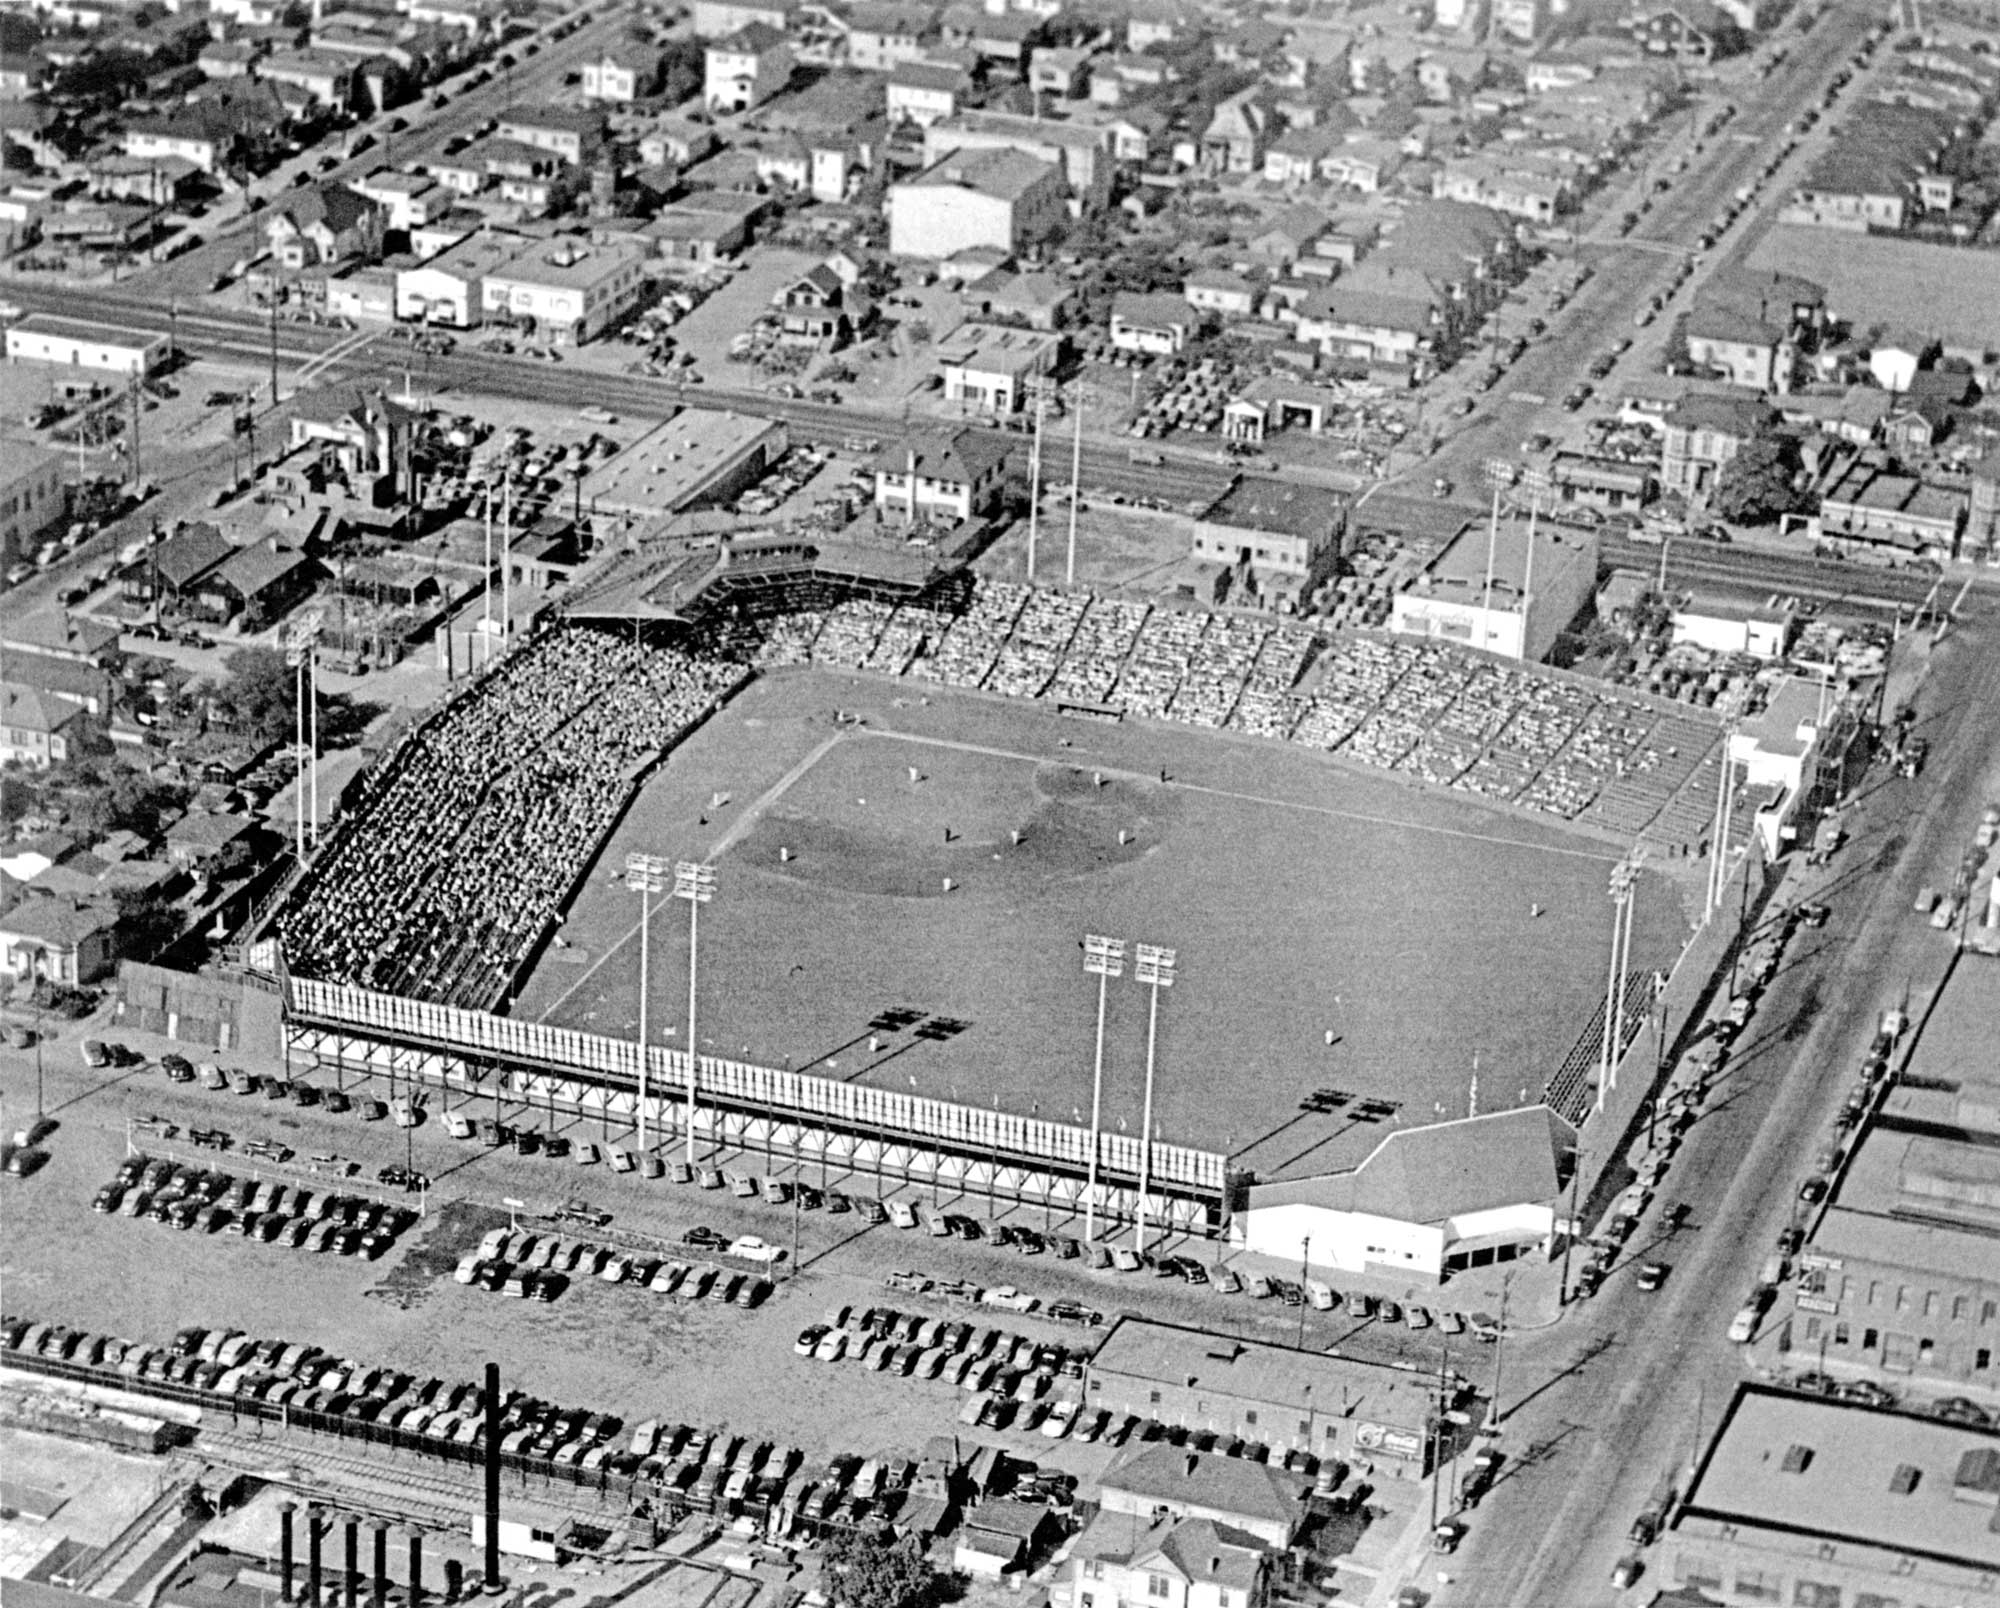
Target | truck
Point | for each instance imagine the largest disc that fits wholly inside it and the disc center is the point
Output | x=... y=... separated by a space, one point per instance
x=1743 y=1326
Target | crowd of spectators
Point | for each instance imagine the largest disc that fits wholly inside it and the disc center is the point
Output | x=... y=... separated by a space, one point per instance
x=446 y=880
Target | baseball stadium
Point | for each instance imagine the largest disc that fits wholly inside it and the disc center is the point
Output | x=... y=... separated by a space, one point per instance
x=863 y=830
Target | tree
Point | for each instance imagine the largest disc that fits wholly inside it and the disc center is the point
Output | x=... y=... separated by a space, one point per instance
x=875 y=1572
x=1756 y=485
x=258 y=693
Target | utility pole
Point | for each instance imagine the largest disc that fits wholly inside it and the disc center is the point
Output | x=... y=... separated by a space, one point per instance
x=274 y=347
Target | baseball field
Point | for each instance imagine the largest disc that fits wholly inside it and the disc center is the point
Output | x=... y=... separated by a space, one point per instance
x=904 y=877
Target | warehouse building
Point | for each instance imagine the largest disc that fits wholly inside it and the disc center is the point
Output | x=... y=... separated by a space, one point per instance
x=1803 y=1500
x=697 y=458
x=1507 y=586
x=1336 y=1407
x=44 y=338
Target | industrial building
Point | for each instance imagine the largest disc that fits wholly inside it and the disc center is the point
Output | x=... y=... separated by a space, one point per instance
x=1338 y=1407
x=1799 y=1499
x=32 y=498
x=1507 y=586
x=697 y=457
x=1423 y=1203
x=1279 y=536
x=44 y=338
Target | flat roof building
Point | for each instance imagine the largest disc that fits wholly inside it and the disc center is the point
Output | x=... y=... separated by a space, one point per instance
x=1336 y=1406
x=45 y=338
x=1799 y=1499
x=1505 y=586
x=698 y=456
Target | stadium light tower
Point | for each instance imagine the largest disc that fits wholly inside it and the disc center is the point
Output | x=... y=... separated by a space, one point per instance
x=302 y=654
x=695 y=883
x=1103 y=958
x=1154 y=967
x=645 y=875
x=1623 y=876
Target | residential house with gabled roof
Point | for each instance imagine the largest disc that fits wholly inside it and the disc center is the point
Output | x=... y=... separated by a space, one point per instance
x=259 y=584
x=718 y=19
x=1002 y=39
x=923 y=93
x=574 y=133
x=1157 y=325
x=1752 y=326
x=1234 y=140
x=932 y=477
x=881 y=34
x=625 y=72
x=745 y=70
x=60 y=939
x=821 y=308
x=1380 y=314
x=1058 y=70
x=324 y=223
x=1124 y=1558
x=1034 y=300
x=329 y=79
x=35 y=727
x=1154 y=1481
x=1220 y=291
x=1083 y=150
x=168 y=571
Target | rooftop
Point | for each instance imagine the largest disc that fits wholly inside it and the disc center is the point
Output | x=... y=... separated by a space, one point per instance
x=1500 y=549
x=668 y=467
x=1847 y=1475
x=1001 y=172
x=1281 y=507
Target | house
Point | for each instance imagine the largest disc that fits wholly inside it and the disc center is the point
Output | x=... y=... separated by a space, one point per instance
x=1233 y=141
x=365 y=434
x=996 y=1538
x=1896 y=359
x=882 y=36
x=159 y=181
x=675 y=142
x=205 y=839
x=58 y=938
x=324 y=223
x=576 y=134
x=820 y=307
x=258 y=584
x=1000 y=40
x=745 y=70
x=35 y=728
x=1158 y=1482
x=1289 y=235
x=999 y=198
x=1159 y=22
x=33 y=501
x=1380 y=313
x=1218 y=291
x=939 y=477
x=1870 y=176
x=1612 y=484
x=994 y=369
x=1482 y=181
x=1751 y=326
x=1157 y=325
x=718 y=19
x=329 y=79
x=229 y=58
x=1702 y=434
x=923 y=94
x=626 y=72
x=1174 y=1563
x=1058 y=71
x=170 y=570
x=1279 y=537
x=408 y=200
x=564 y=293
x=450 y=288
x=1034 y=300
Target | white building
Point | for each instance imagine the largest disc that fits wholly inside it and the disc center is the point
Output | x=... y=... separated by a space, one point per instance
x=923 y=93
x=946 y=477
x=1494 y=589
x=566 y=292
x=45 y=338
x=451 y=287
x=1723 y=625
x=1424 y=1202
x=992 y=368
x=745 y=70
x=998 y=198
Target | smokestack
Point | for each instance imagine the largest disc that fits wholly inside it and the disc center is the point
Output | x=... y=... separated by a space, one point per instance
x=493 y=1476
x=378 y=1590
x=351 y=1560
x=416 y=1570
x=285 y=1512
x=312 y=1554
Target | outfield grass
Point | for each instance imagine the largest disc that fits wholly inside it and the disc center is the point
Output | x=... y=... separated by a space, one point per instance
x=1902 y=284
x=1303 y=898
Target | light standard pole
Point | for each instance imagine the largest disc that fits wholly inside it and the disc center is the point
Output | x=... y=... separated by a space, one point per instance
x=1305 y=1272
x=695 y=883
x=645 y=875
x=1103 y=958
x=1154 y=967
x=1499 y=1347
x=1623 y=875
x=301 y=646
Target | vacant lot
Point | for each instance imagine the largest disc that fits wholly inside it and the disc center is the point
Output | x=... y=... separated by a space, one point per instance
x=1419 y=930
x=1954 y=295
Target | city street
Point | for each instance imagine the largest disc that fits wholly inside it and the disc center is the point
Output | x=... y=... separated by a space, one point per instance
x=1602 y=1412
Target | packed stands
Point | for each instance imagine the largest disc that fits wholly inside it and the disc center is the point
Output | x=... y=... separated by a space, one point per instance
x=466 y=848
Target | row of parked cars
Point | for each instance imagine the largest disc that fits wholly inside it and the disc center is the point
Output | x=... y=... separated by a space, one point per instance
x=543 y=1266
x=196 y=1199
x=179 y=1069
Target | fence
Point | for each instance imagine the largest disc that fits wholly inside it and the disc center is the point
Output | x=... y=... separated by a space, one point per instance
x=614 y=1063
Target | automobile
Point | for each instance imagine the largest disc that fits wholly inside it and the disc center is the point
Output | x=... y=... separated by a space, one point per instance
x=1958 y=1410
x=178 y=1068
x=1866 y=1393
x=1538 y=442
x=753 y=1249
x=94 y=1053
x=706 y=1238
x=1646 y=1528
x=1813 y=1190
x=1653 y=1275
x=555 y=1147
x=336 y=1102
x=372 y=1110
x=1625 y=1572
x=1815 y=915
x=108 y=1198
x=1451 y=1322
x=1461 y=407
x=1417 y=1317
